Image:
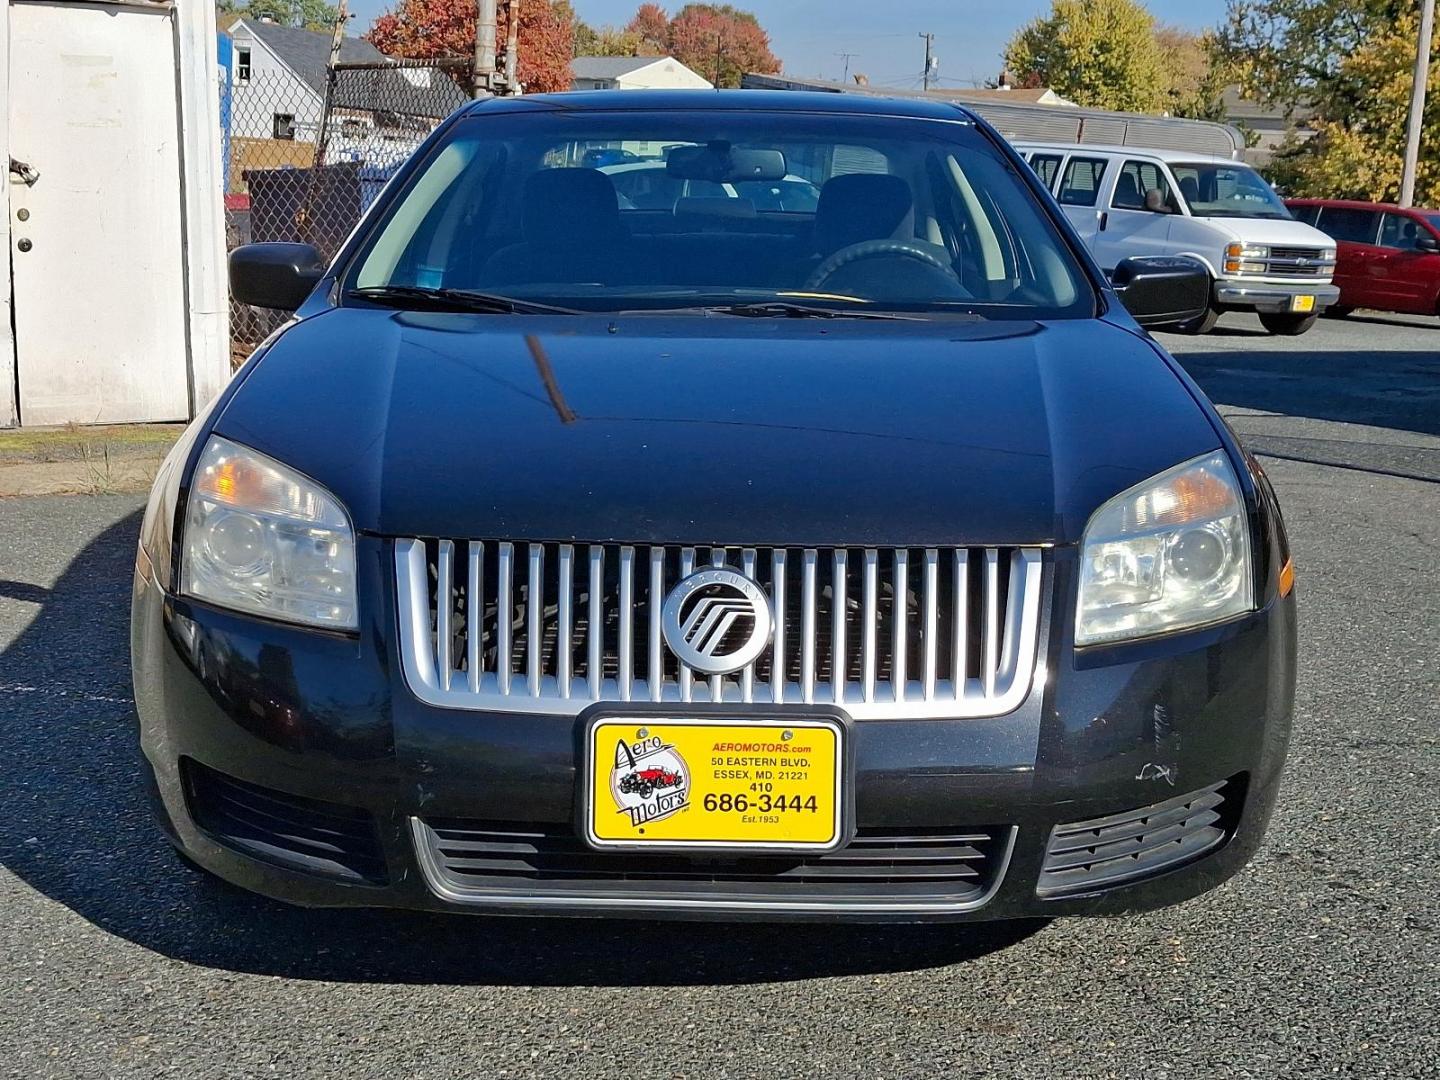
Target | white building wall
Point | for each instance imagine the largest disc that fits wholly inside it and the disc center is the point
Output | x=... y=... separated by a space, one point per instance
x=665 y=74
x=272 y=88
x=7 y=342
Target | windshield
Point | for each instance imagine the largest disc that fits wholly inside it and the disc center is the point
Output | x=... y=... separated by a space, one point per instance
x=1434 y=220
x=1228 y=191
x=622 y=211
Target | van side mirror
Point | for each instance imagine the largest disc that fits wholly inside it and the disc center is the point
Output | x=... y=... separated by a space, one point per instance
x=279 y=276
x=1426 y=242
x=1160 y=290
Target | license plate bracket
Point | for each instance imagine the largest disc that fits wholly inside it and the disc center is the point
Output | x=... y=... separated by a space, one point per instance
x=722 y=782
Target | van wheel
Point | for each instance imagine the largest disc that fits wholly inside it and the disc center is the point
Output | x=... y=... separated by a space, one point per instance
x=1201 y=325
x=1287 y=325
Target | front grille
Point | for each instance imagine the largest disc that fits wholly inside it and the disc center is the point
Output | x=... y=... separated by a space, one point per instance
x=1299 y=262
x=480 y=859
x=554 y=628
x=1084 y=856
x=294 y=831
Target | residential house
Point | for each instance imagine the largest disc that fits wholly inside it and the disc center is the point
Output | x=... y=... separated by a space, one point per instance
x=278 y=91
x=634 y=73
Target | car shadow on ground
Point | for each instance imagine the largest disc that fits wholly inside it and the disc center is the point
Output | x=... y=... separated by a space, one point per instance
x=1379 y=388
x=78 y=830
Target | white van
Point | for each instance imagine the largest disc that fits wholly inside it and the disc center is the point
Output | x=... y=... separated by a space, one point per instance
x=1125 y=201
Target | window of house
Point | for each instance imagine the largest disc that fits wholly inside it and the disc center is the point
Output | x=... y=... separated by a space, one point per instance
x=242 y=65
x=284 y=126
x=1081 y=183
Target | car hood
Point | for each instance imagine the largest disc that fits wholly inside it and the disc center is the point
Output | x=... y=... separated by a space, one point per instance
x=1272 y=231
x=691 y=429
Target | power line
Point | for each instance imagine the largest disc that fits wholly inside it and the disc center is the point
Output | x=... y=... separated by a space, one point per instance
x=847 y=57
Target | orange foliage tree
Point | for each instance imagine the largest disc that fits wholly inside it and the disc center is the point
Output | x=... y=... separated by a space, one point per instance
x=430 y=29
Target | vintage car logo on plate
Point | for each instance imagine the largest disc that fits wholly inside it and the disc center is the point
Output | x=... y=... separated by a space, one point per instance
x=717 y=621
x=649 y=780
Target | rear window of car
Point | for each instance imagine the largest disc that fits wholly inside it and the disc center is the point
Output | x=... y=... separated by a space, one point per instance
x=1349 y=224
x=725 y=207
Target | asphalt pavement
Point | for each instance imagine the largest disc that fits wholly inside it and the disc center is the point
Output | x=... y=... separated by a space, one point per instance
x=1321 y=958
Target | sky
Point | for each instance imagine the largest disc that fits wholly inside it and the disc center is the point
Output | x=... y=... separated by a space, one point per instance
x=809 y=35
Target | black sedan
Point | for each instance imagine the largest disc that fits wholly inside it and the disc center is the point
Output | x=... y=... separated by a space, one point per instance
x=711 y=560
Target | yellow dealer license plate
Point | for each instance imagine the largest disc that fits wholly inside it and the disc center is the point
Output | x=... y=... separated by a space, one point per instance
x=1302 y=303
x=685 y=783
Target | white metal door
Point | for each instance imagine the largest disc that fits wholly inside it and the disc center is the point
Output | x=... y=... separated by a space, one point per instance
x=96 y=241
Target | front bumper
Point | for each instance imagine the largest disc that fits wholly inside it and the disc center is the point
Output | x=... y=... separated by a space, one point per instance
x=327 y=718
x=1272 y=297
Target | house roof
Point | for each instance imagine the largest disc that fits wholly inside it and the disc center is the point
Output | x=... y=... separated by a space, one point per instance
x=306 y=52
x=403 y=90
x=611 y=67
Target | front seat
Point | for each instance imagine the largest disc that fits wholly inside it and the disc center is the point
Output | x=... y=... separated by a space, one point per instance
x=572 y=232
x=1127 y=193
x=858 y=207
x=1190 y=188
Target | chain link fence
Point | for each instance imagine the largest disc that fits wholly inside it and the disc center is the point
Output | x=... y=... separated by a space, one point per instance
x=306 y=153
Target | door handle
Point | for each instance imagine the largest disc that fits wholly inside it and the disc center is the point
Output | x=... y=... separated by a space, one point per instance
x=26 y=172
x=1104 y=219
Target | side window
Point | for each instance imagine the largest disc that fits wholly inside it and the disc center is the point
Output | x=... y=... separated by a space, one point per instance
x=1308 y=214
x=1081 y=183
x=1398 y=231
x=1046 y=166
x=1134 y=185
x=1349 y=224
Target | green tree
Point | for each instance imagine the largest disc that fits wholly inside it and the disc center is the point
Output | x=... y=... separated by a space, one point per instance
x=1100 y=53
x=1195 y=73
x=308 y=14
x=1350 y=63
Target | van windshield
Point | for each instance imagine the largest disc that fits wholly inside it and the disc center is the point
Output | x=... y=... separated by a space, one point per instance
x=1228 y=191
x=621 y=210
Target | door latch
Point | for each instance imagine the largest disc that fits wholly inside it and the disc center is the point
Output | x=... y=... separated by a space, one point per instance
x=25 y=172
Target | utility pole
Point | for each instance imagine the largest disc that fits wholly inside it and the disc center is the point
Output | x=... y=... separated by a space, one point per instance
x=847 y=57
x=484 y=67
x=719 y=54
x=511 y=83
x=322 y=139
x=929 y=58
x=1417 y=103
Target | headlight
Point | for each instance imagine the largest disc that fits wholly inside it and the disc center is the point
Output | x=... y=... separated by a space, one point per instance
x=261 y=538
x=1172 y=553
x=1246 y=258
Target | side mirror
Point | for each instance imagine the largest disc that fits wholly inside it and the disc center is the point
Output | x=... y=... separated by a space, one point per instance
x=279 y=276
x=1427 y=243
x=1160 y=290
x=1155 y=201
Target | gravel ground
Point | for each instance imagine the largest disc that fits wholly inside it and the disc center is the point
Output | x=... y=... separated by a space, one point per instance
x=1320 y=958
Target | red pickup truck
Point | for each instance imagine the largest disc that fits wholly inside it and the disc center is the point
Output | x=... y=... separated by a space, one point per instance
x=1388 y=257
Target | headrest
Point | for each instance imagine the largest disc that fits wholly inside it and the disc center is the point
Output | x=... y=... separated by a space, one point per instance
x=562 y=205
x=863 y=206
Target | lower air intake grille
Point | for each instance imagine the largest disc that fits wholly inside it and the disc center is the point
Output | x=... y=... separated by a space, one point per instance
x=478 y=859
x=293 y=831
x=1084 y=856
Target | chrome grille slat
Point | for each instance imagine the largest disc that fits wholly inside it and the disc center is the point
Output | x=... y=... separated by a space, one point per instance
x=880 y=632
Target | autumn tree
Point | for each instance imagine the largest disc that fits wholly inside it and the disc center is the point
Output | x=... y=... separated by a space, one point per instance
x=1349 y=64
x=429 y=29
x=1100 y=53
x=652 y=27
x=720 y=42
x=1196 y=73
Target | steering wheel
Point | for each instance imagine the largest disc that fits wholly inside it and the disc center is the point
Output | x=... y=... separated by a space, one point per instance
x=869 y=249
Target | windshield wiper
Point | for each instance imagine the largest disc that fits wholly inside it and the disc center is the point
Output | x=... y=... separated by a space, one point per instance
x=776 y=309
x=455 y=300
